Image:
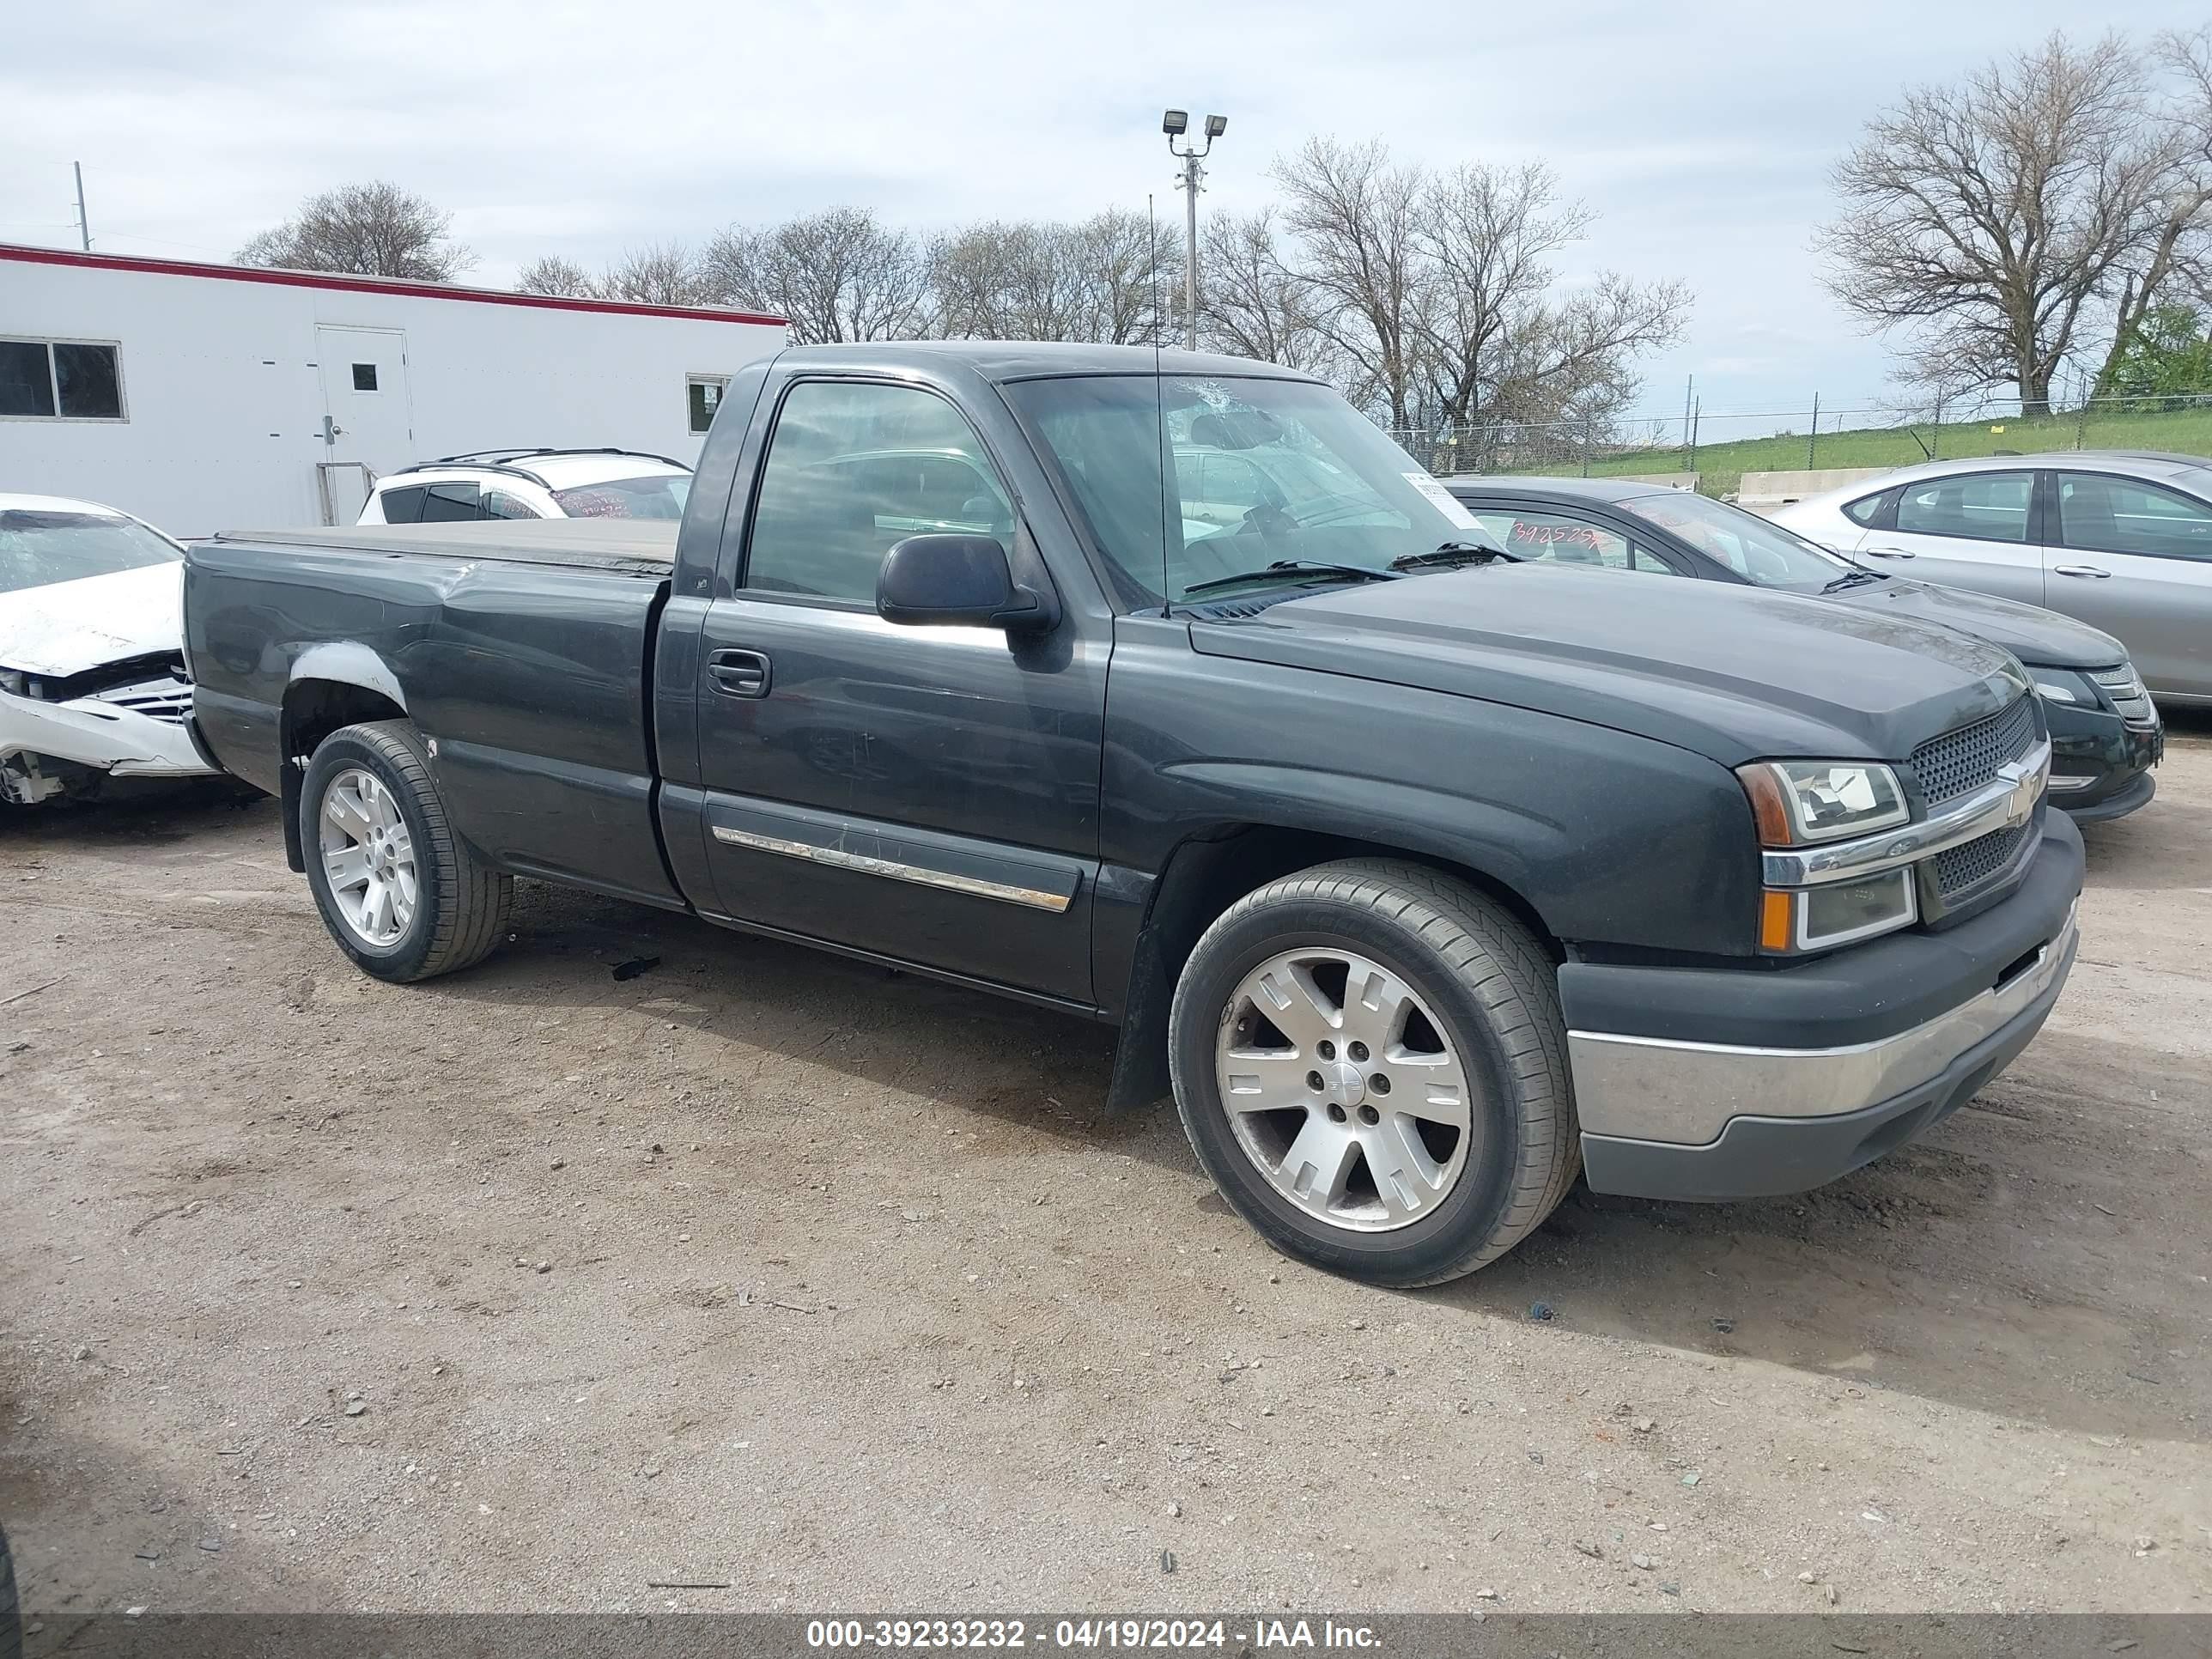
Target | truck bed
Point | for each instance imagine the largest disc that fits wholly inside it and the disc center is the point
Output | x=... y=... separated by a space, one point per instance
x=637 y=547
x=521 y=648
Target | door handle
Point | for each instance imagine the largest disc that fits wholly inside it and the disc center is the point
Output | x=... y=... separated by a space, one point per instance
x=739 y=673
x=2079 y=570
x=1891 y=553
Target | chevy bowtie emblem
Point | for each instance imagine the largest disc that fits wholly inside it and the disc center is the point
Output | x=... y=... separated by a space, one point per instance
x=2026 y=783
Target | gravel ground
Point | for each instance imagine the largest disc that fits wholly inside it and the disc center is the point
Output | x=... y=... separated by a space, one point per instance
x=532 y=1287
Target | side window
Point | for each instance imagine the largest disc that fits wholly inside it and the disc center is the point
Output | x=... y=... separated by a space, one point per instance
x=2118 y=515
x=1867 y=510
x=1562 y=538
x=1987 y=507
x=498 y=504
x=452 y=504
x=853 y=467
x=403 y=506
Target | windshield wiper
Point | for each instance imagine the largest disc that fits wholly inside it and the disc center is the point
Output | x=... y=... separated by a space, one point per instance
x=1453 y=555
x=1856 y=577
x=1294 y=567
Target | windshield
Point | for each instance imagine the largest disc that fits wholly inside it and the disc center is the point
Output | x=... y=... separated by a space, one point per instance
x=39 y=546
x=1756 y=550
x=660 y=496
x=1184 y=480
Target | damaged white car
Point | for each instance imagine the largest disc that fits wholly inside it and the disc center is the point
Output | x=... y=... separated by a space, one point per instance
x=92 y=672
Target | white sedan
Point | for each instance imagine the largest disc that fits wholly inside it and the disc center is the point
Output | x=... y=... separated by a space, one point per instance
x=92 y=675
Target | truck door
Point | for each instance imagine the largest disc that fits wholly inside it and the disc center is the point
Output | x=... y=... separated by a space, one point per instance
x=927 y=793
x=368 y=425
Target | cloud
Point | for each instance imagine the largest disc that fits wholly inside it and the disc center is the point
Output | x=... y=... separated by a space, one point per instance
x=1701 y=132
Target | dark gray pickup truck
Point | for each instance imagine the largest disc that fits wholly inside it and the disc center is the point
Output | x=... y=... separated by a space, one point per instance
x=1164 y=689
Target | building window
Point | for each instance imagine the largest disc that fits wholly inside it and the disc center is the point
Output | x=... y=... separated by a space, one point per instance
x=704 y=394
x=364 y=377
x=61 y=380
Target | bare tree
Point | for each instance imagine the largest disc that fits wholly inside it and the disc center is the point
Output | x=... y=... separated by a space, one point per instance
x=374 y=229
x=1010 y=280
x=661 y=274
x=1356 y=219
x=1254 y=304
x=2173 y=254
x=1117 y=259
x=838 y=274
x=1498 y=344
x=1101 y=279
x=554 y=275
x=1990 y=218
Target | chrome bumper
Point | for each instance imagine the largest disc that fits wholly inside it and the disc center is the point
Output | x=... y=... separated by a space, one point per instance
x=1651 y=1089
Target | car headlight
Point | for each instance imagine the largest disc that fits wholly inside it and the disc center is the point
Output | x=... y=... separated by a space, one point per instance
x=2062 y=685
x=1799 y=801
x=14 y=682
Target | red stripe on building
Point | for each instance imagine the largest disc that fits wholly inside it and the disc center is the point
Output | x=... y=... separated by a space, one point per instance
x=405 y=289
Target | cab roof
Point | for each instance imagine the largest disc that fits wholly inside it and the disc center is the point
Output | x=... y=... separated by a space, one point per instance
x=1037 y=360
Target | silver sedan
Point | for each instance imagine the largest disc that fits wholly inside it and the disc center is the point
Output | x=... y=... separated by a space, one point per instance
x=2120 y=538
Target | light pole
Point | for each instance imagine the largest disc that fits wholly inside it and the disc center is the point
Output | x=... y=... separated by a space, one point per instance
x=1175 y=123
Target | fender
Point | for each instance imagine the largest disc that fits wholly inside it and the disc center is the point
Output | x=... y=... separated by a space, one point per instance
x=338 y=663
x=348 y=663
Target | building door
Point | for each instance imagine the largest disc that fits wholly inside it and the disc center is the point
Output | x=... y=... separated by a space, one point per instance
x=368 y=425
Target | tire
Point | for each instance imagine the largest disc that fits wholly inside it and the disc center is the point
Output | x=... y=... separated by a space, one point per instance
x=460 y=908
x=1486 y=992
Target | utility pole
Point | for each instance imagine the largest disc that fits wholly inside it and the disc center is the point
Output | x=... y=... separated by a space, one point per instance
x=1175 y=123
x=83 y=224
x=1812 y=436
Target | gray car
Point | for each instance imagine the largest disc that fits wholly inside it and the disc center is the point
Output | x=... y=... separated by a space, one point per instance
x=2120 y=538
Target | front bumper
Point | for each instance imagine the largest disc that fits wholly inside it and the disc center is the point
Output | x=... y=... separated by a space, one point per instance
x=98 y=735
x=2100 y=767
x=1721 y=1084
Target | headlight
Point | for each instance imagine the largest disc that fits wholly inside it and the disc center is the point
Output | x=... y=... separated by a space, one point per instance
x=2062 y=685
x=1794 y=802
x=1793 y=919
x=1799 y=801
x=13 y=682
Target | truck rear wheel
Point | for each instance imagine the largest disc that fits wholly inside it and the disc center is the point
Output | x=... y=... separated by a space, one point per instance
x=398 y=890
x=1370 y=1061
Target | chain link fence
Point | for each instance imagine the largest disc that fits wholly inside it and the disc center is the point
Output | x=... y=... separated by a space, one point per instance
x=1719 y=447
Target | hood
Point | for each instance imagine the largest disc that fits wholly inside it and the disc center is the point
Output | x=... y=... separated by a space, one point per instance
x=65 y=628
x=1733 y=673
x=2028 y=631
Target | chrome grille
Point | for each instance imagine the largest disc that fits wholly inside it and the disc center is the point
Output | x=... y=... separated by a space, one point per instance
x=1961 y=869
x=1965 y=760
x=2126 y=689
x=166 y=699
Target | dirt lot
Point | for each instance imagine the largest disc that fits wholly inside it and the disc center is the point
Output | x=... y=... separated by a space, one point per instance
x=764 y=1268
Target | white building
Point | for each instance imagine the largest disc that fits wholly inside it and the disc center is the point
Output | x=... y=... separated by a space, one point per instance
x=209 y=396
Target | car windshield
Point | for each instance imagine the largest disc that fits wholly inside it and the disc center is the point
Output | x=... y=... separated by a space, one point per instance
x=1757 y=550
x=40 y=546
x=1253 y=472
x=659 y=496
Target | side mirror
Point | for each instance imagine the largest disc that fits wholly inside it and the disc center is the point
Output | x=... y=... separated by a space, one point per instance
x=961 y=581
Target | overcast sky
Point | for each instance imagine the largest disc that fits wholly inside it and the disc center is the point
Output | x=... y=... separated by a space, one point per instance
x=1701 y=131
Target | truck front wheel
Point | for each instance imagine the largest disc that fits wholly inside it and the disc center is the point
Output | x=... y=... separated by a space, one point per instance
x=398 y=890
x=1371 y=1063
